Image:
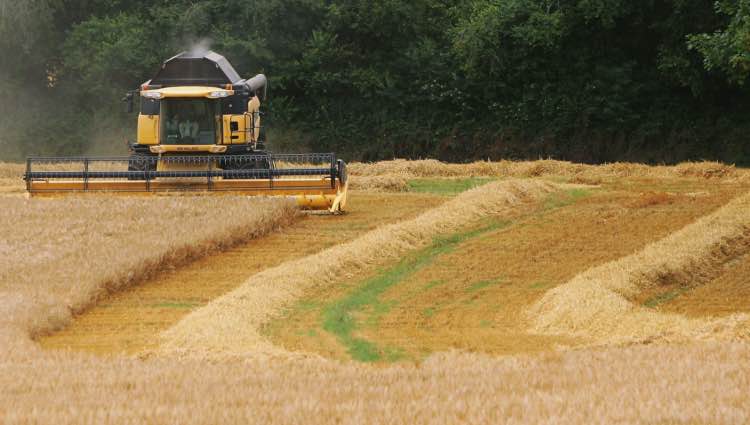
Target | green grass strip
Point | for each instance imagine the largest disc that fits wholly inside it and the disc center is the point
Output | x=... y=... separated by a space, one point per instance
x=564 y=199
x=339 y=317
x=343 y=317
x=435 y=283
x=448 y=187
x=665 y=297
x=483 y=284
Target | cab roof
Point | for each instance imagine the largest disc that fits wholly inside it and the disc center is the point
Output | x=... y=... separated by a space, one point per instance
x=206 y=68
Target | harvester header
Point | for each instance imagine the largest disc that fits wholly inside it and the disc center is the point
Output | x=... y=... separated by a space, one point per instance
x=199 y=130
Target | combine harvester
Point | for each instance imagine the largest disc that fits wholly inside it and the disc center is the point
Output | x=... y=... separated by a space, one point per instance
x=199 y=130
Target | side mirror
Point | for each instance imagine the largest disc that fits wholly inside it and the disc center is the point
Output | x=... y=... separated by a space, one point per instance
x=129 y=99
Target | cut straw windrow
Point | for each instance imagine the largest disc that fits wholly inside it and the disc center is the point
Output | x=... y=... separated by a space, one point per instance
x=433 y=168
x=596 y=304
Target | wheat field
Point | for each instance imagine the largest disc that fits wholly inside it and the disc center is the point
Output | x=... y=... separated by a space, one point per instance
x=643 y=384
x=61 y=257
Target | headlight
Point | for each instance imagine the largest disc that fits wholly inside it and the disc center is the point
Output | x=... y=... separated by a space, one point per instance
x=217 y=94
x=152 y=94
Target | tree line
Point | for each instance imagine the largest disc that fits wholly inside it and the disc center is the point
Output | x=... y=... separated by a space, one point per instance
x=584 y=80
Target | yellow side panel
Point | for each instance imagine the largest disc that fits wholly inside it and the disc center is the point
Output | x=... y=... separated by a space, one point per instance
x=218 y=136
x=240 y=136
x=248 y=125
x=226 y=134
x=148 y=129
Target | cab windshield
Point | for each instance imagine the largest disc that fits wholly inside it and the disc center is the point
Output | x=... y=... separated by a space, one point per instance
x=190 y=121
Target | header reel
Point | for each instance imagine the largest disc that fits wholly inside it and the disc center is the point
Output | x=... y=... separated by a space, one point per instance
x=316 y=181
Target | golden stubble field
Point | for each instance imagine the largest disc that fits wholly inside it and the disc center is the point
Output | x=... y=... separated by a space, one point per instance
x=59 y=256
x=268 y=316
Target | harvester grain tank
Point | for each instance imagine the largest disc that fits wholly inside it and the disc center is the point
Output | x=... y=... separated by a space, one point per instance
x=199 y=130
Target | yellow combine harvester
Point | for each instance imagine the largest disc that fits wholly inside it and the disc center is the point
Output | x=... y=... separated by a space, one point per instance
x=199 y=129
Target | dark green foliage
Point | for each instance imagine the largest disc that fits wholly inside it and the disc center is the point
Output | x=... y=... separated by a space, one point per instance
x=586 y=80
x=728 y=49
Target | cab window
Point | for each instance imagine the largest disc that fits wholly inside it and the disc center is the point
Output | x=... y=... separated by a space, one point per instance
x=189 y=121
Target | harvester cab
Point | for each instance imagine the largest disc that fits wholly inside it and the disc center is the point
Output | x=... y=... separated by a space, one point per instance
x=199 y=129
x=198 y=103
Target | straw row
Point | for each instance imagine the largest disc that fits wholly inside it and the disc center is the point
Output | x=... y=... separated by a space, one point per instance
x=384 y=183
x=433 y=168
x=597 y=304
